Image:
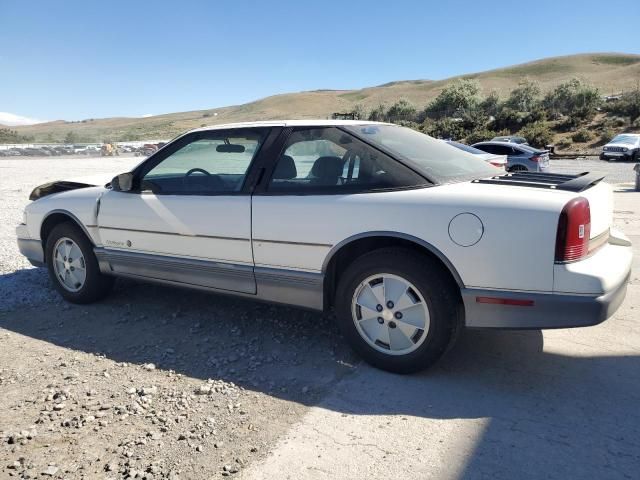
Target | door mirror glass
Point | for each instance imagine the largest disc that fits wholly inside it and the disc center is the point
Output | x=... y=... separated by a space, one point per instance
x=122 y=182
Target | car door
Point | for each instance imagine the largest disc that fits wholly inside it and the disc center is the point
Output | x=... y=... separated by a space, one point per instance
x=188 y=217
x=302 y=207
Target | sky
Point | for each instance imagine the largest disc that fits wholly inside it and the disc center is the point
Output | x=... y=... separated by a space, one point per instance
x=74 y=60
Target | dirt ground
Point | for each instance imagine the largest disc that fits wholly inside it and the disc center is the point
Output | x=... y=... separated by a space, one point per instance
x=156 y=382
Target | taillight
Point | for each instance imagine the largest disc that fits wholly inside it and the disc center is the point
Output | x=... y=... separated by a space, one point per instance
x=535 y=158
x=499 y=165
x=574 y=229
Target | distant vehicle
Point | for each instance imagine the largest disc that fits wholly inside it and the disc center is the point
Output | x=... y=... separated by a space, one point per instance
x=625 y=146
x=79 y=149
x=499 y=161
x=406 y=239
x=520 y=157
x=511 y=139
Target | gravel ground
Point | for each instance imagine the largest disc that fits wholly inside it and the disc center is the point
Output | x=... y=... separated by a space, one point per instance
x=157 y=382
x=154 y=382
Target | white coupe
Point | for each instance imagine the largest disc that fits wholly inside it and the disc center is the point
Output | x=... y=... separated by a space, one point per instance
x=405 y=238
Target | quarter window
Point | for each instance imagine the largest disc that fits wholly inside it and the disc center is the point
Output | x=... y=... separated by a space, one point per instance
x=327 y=160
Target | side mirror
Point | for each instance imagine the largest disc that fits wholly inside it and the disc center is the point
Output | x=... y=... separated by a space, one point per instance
x=122 y=182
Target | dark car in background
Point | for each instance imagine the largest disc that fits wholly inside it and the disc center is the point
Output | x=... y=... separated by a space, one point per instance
x=520 y=158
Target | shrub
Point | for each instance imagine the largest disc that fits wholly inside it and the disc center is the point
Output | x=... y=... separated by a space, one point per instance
x=607 y=134
x=575 y=99
x=378 y=114
x=583 y=135
x=457 y=98
x=537 y=134
x=401 y=111
x=563 y=144
x=480 y=135
x=446 y=128
x=627 y=106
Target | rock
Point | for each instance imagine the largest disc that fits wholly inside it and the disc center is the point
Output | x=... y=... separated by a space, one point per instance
x=50 y=471
x=149 y=366
x=59 y=406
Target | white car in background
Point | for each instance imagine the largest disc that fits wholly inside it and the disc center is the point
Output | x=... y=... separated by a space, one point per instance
x=499 y=161
x=407 y=239
x=625 y=146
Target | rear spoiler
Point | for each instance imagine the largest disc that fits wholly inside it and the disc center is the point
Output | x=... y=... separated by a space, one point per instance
x=56 y=187
x=553 y=181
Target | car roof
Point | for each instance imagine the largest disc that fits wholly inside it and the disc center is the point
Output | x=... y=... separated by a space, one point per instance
x=288 y=123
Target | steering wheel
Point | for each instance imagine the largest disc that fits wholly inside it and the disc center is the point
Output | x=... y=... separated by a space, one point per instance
x=197 y=170
x=209 y=181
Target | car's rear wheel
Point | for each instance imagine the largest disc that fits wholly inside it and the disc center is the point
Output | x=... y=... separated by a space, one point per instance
x=398 y=309
x=73 y=267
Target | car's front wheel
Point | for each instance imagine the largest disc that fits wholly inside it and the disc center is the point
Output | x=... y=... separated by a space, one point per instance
x=73 y=267
x=398 y=309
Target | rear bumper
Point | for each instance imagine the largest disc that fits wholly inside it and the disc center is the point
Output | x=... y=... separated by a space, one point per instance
x=29 y=247
x=545 y=310
x=527 y=310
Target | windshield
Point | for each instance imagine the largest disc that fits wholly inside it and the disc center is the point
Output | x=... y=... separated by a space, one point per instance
x=624 y=139
x=440 y=162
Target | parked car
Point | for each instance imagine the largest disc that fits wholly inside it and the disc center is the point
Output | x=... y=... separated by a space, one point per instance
x=520 y=157
x=499 y=161
x=79 y=149
x=625 y=146
x=511 y=139
x=405 y=238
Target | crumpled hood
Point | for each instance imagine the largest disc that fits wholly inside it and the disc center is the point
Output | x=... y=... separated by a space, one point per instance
x=71 y=184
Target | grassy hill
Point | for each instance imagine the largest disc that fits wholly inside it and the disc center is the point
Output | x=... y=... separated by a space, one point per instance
x=610 y=72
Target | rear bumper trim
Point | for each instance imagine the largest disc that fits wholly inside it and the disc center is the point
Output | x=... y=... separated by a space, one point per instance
x=549 y=310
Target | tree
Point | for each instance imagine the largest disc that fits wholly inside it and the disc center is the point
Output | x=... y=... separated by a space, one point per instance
x=537 y=134
x=401 y=111
x=575 y=99
x=457 y=98
x=490 y=105
x=70 y=137
x=627 y=106
x=525 y=97
x=378 y=114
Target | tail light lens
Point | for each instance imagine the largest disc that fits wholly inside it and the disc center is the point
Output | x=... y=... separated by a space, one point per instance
x=499 y=165
x=574 y=229
x=535 y=158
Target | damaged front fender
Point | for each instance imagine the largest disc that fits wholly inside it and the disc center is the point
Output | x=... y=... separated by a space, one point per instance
x=56 y=187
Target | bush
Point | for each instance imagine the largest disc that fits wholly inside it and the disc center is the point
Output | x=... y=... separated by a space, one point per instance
x=401 y=111
x=627 y=106
x=480 y=135
x=537 y=134
x=446 y=129
x=563 y=144
x=577 y=100
x=378 y=114
x=607 y=134
x=457 y=98
x=581 y=136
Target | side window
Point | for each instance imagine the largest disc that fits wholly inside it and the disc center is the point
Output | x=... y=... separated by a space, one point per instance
x=487 y=148
x=217 y=162
x=328 y=160
x=515 y=151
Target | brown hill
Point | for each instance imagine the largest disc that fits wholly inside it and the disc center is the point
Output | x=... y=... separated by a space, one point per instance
x=610 y=72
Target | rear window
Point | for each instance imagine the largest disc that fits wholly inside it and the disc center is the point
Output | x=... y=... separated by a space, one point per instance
x=437 y=160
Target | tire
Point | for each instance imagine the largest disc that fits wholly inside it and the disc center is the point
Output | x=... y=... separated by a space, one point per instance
x=430 y=288
x=95 y=285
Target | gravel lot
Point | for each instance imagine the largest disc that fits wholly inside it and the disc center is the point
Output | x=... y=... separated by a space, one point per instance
x=165 y=383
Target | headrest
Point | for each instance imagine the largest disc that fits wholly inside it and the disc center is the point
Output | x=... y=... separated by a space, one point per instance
x=285 y=168
x=327 y=167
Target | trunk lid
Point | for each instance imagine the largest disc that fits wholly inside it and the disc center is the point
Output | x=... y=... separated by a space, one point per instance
x=587 y=185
